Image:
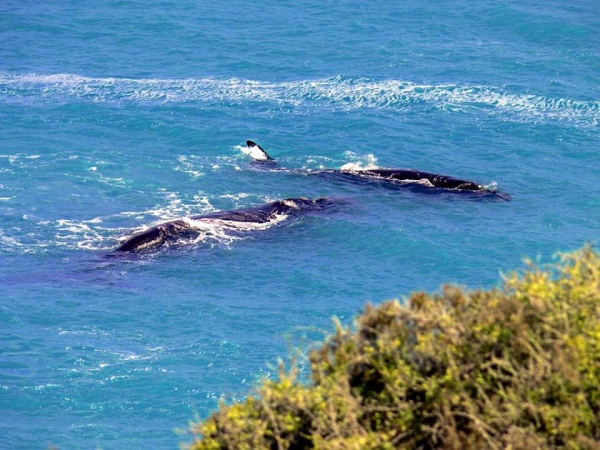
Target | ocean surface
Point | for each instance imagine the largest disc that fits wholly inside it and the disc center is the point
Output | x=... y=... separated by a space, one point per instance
x=116 y=115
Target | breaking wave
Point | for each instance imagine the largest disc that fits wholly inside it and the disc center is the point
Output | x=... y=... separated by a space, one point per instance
x=333 y=93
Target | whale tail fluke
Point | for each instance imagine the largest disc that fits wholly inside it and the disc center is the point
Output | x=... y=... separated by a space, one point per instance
x=256 y=152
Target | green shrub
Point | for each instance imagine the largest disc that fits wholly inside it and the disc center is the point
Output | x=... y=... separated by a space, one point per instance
x=517 y=367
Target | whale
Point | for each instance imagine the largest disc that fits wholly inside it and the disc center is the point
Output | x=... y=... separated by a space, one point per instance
x=394 y=176
x=239 y=221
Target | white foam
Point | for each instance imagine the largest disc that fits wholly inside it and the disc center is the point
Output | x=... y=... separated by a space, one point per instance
x=188 y=164
x=93 y=234
x=228 y=231
x=368 y=162
x=334 y=93
x=9 y=242
x=81 y=234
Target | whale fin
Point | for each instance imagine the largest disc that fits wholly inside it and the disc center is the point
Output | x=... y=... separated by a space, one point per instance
x=256 y=152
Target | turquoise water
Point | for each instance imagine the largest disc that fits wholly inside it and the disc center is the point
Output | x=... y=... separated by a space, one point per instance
x=123 y=114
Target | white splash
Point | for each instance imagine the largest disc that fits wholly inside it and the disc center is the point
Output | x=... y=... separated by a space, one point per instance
x=369 y=162
x=492 y=186
x=227 y=231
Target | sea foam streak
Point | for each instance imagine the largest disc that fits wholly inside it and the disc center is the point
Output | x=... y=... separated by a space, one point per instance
x=334 y=93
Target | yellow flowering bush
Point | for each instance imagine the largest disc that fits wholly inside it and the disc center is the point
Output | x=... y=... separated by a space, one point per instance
x=513 y=367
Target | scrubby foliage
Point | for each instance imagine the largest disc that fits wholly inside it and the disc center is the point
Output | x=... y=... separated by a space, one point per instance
x=514 y=367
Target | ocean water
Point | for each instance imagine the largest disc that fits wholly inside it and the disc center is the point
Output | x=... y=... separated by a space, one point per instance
x=122 y=114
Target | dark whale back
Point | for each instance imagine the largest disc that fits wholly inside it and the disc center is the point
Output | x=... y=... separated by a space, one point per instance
x=396 y=176
x=436 y=180
x=172 y=231
x=263 y=214
x=155 y=237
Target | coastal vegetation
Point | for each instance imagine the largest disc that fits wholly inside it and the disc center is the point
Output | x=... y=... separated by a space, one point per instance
x=516 y=366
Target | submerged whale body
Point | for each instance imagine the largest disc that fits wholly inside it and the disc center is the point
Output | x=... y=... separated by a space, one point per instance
x=397 y=176
x=241 y=220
